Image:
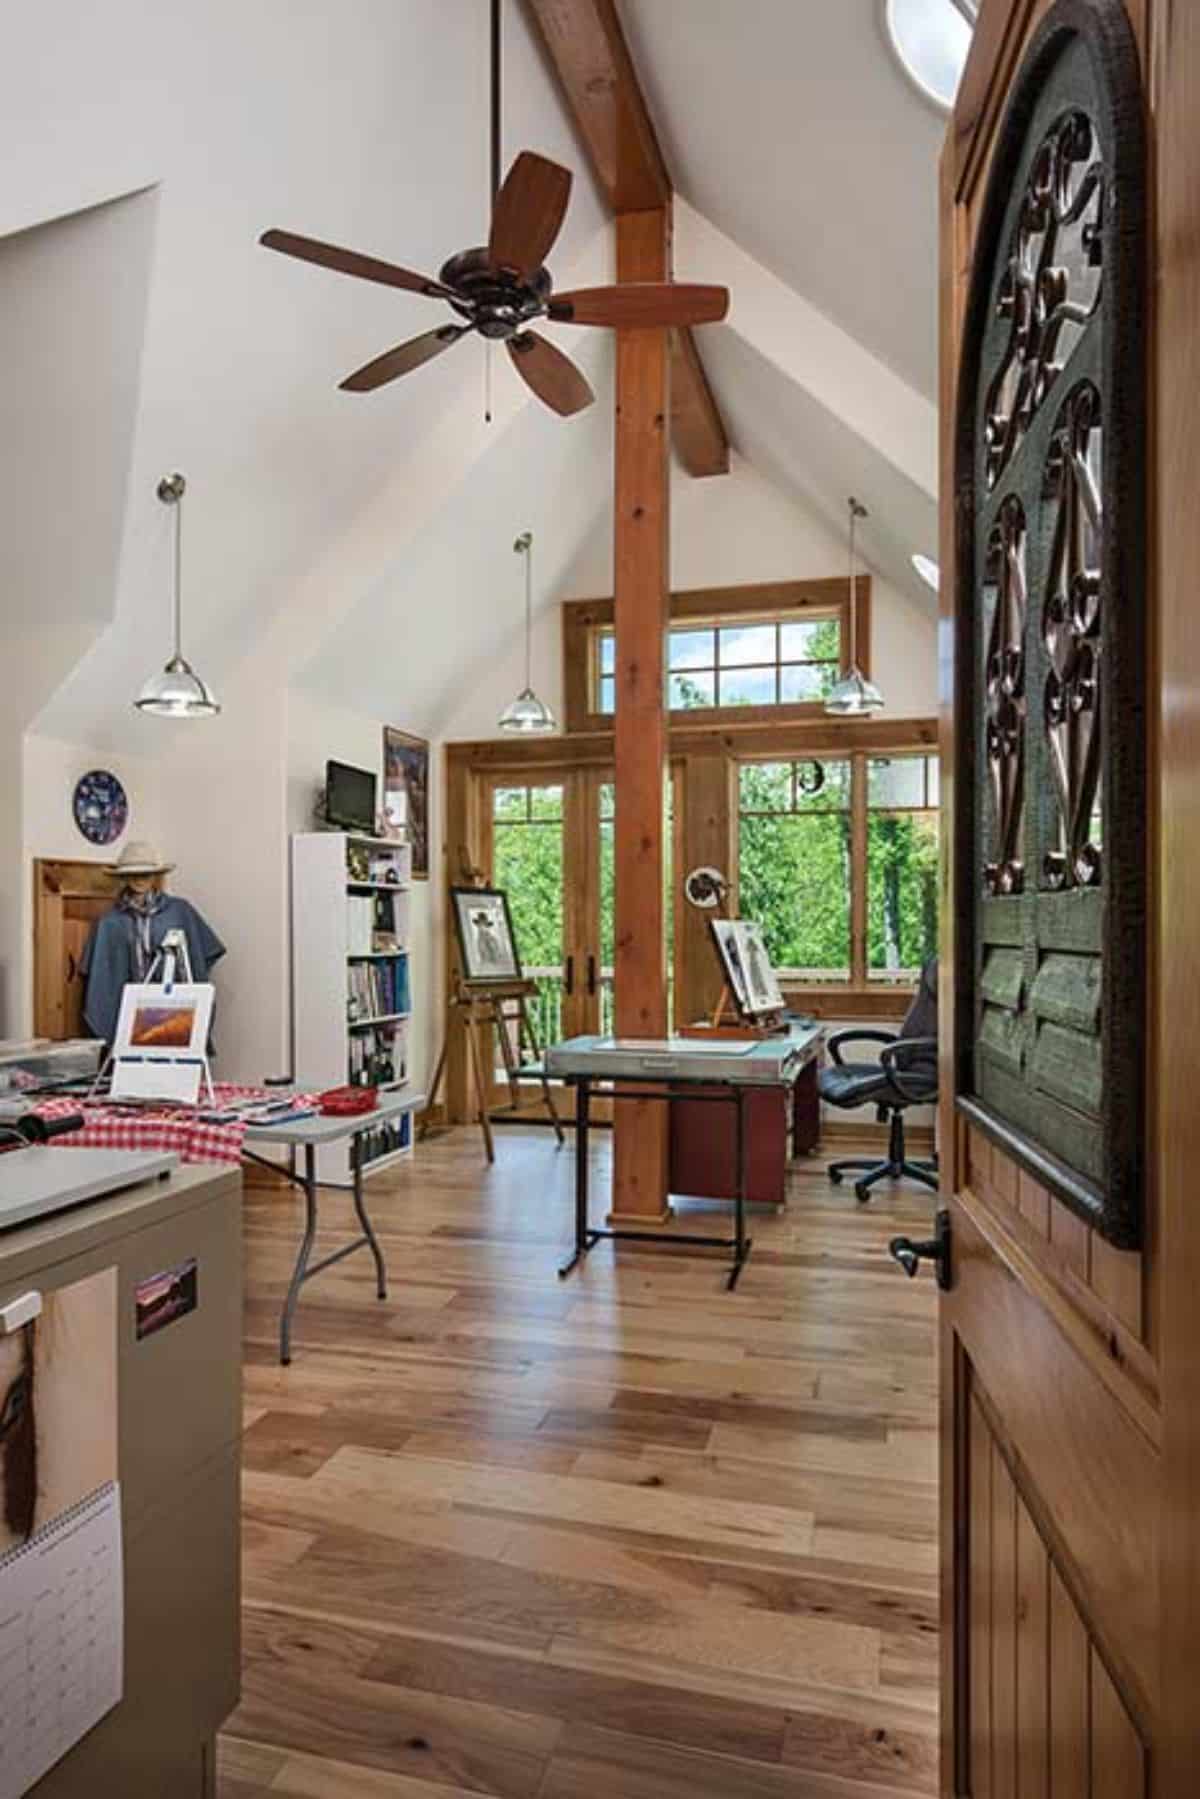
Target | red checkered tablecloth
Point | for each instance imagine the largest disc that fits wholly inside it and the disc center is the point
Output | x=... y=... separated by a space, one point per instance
x=174 y=1128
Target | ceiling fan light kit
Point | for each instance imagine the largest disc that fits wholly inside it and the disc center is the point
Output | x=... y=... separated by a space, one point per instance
x=501 y=289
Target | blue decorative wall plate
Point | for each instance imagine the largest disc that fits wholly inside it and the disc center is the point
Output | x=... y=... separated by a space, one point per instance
x=100 y=806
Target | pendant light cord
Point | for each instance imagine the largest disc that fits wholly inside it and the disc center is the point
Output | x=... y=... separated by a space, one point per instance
x=495 y=99
x=524 y=547
x=857 y=511
x=178 y=577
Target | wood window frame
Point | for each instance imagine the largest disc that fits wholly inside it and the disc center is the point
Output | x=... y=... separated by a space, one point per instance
x=860 y=985
x=787 y=601
x=704 y=760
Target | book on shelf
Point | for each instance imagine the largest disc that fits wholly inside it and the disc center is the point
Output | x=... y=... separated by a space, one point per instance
x=360 y=923
x=377 y=989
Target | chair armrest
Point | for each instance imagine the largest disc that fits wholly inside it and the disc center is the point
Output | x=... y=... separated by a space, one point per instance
x=918 y=1091
x=838 y=1041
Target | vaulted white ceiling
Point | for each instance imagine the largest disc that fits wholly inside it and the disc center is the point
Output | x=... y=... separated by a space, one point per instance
x=789 y=125
x=355 y=539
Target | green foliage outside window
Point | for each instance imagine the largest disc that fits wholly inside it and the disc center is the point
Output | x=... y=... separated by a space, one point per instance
x=794 y=863
x=527 y=862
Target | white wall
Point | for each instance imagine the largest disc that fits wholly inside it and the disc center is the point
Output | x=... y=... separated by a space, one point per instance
x=70 y=340
x=727 y=531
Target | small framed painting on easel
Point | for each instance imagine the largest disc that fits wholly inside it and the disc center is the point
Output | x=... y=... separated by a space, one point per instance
x=161 y=1047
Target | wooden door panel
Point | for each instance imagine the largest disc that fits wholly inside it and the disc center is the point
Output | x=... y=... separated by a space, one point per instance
x=1047 y=1718
x=1052 y=1386
x=1088 y=1473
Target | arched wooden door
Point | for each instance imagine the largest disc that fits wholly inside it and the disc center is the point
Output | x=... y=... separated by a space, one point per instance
x=1070 y=1327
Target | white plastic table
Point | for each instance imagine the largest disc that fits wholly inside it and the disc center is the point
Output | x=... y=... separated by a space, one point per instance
x=309 y=1134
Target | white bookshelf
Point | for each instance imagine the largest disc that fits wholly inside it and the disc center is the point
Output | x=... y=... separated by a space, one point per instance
x=352 y=990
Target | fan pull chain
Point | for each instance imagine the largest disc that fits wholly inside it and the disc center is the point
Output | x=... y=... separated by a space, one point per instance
x=487 y=383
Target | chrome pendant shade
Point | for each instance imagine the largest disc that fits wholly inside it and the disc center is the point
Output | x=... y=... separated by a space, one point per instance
x=527 y=715
x=178 y=692
x=853 y=696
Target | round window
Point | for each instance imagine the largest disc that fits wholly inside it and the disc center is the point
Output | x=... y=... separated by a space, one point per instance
x=931 y=39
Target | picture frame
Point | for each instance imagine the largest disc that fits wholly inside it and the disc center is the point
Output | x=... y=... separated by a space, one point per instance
x=160 y=1050
x=406 y=793
x=486 y=945
x=746 y=967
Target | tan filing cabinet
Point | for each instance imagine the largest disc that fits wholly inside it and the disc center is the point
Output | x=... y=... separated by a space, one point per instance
x=179 y=1426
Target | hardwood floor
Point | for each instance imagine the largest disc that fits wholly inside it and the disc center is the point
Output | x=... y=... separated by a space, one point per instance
x=622 y=1537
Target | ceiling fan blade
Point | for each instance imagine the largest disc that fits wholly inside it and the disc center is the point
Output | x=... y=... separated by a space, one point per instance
x=552 y=376
x=639 y=304
x=349 y=262
x=528 y=214
x=403 y=358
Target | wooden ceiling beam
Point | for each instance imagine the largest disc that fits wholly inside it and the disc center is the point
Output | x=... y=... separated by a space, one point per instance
x=587 y=47
x=697 y=431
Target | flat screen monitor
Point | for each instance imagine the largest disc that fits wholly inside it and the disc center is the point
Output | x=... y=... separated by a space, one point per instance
x=349 y=797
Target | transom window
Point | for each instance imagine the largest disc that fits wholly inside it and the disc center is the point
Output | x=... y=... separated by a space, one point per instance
x=838 y=861
x=747 y=662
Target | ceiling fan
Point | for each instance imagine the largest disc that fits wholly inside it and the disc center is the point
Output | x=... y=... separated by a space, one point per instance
x=500 y=289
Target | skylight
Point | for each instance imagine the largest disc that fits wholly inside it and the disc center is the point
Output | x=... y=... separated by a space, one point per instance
x=931 y=38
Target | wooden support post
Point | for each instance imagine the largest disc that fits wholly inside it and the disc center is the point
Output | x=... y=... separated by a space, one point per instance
x=641 y=611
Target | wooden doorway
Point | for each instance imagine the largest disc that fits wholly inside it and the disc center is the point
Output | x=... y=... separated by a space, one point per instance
x=68 y=898
x=1069 y=1382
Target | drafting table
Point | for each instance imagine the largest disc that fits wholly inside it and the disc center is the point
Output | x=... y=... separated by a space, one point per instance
x=715 y=1071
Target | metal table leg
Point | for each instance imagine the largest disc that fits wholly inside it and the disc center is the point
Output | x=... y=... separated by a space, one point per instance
x=742 y=1244
x=300 y=1271
x=582 y=1118
x=361 y=1209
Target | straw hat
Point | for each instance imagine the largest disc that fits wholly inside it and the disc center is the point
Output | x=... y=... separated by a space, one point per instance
x=140 y=859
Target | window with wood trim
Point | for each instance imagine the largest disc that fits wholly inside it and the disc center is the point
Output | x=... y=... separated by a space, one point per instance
x=744 y=662
x=769 y=652
x=838 y=861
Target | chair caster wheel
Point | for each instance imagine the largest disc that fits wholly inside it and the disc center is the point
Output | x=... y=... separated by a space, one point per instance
x=862 y=1194
x=836 y=1176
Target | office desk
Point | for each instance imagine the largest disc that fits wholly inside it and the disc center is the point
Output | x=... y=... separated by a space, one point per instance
x=781 y=1123
x=309 y=1134
x=676 y=1070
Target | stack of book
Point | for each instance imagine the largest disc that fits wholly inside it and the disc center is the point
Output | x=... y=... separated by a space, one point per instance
x=377 y=989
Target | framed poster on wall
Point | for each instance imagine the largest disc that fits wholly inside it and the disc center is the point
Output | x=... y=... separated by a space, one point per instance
x=406 y=793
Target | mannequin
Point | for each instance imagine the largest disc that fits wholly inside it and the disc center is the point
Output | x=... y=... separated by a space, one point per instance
x=124 y=942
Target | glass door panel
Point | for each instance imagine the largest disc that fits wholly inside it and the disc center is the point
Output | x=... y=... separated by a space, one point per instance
x=600 y=979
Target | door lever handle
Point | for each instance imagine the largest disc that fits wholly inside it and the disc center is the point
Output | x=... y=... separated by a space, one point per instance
x=935 y=1249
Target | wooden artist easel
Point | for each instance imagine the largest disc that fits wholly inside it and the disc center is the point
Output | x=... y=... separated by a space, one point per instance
x=500 y=1006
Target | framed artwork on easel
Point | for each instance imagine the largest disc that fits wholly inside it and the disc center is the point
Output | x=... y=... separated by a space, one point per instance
x=486 y=945
x=746 y=966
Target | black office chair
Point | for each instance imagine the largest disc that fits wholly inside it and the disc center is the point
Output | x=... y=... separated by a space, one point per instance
x=905 y=1075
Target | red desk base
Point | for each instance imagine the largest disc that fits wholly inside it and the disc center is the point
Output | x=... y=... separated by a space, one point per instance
x=702 y=1140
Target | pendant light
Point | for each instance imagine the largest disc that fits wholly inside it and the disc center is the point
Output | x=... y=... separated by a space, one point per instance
x=527 y=714
x=853 y=696
x=178 y=692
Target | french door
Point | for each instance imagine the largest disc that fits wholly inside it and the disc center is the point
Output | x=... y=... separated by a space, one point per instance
x=548 y=841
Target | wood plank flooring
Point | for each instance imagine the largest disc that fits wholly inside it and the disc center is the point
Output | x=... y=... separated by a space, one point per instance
x=622 y=1537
